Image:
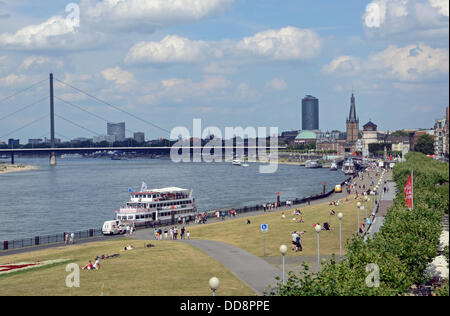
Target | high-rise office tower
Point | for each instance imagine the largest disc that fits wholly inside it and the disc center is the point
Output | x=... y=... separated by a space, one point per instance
x=117 y=130
x=310 y=113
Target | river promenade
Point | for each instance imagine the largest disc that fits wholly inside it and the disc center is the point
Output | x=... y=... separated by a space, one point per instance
x=257 y=272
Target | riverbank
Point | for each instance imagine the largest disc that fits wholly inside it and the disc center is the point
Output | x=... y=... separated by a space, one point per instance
x=7 y=168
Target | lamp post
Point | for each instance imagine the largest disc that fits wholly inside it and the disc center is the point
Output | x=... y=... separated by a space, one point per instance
x=371 y=203
x=340 y=216
x=214 y=284
x=358 y=206
x=283 y=250
x=318 y=228
x=365 y=205
x=361 y=208
x=376 y=192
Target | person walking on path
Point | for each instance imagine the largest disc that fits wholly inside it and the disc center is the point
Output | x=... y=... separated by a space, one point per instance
x=72 y=238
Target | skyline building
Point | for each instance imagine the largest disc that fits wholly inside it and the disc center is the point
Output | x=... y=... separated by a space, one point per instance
x=139 y=137
x=117 y=130
x=310 y=113
x=352 y=122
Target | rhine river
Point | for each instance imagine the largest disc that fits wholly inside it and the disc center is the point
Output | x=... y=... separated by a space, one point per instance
x=82 y=193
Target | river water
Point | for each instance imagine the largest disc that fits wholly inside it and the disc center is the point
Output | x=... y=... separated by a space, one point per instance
x=82 y=193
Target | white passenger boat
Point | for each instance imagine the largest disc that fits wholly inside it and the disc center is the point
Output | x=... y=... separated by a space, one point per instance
x=349 y=167
x=312 y=164
x=333 y=166
x=164 y=205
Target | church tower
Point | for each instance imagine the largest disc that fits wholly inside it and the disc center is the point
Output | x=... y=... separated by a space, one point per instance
x=352 y=122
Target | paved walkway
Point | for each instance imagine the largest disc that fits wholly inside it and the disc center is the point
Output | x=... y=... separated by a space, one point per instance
x=252 y=270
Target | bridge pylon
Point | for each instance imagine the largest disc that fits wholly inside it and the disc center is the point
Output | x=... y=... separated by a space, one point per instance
x=52 y=123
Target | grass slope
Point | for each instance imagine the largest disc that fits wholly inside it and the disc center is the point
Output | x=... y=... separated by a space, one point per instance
x=168 y=269
x=248 y=237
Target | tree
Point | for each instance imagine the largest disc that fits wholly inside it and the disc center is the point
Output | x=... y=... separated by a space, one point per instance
x=425 y=144
x=400 y=133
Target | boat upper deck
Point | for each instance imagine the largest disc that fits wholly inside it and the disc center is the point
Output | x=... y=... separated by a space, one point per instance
x=158 y=195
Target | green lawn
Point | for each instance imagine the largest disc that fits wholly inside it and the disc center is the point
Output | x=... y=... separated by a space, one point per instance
x=170 y=268
x=248 y=237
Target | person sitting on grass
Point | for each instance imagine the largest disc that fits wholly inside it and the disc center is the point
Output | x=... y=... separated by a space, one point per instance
x=326 y=226
x=283 y=216
x=89 y=266
x=332 y=212
x=129 y=247
x=300 y=220
x=96 y=265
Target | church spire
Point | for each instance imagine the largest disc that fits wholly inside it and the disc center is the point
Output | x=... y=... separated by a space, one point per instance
x=352 y=116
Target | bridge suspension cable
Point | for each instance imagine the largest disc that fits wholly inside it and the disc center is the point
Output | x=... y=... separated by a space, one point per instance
x=23 y=90
x=112 y=106
x=24 y=108
x=76 y=124
x=25 y=126
x=87 y=111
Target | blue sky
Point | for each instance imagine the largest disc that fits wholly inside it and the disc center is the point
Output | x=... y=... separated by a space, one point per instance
x=228 y=62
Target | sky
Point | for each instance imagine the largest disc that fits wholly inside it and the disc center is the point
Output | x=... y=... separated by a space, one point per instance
x=227 y=62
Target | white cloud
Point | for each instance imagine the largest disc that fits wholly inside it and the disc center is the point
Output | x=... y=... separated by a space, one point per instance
x=56 y=33
x=148 y=15
x=18 y=80
x=417 y=62
x=119 y=76
x=411 y=63
x=441 y=5
x=406 y=19
x=288 y=43
x=344 y=65
x=37 y=61
x=99 y=19
x=277 y=84
x=170 y=49
x=283 y=44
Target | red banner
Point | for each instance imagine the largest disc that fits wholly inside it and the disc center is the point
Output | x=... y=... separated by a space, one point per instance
x=409 y=195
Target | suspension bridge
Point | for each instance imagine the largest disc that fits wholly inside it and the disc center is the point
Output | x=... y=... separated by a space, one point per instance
x=52 y=149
